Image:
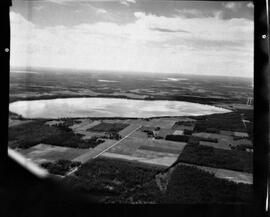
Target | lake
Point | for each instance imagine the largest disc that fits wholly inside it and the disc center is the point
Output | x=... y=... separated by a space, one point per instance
x=109 y=107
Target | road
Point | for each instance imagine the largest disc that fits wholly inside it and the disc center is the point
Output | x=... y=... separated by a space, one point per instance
x=89 y=155
x=117 y=142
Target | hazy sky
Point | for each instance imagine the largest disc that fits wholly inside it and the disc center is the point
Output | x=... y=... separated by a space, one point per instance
x=213 y=38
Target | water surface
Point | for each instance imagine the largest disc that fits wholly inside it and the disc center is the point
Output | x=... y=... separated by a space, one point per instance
x=109 y=107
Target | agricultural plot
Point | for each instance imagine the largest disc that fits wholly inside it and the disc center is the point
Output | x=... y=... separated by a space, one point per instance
x=82 y=128
x=164 y=132
x=147 y=150
x=166 y=123
x=220 y=145
x=230 y=175
x=108 y=127
x=92 y=153
x=159 y=149
x=44 y=152
x=128 y=129
x=16 y=122
x=54 y=122
x=149 y=159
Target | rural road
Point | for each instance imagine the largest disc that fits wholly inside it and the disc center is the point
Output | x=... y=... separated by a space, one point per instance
x=89 y=155
x=117 y=142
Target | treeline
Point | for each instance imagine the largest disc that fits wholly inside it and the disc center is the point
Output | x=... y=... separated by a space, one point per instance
x=192 y=185
x=116 y=181
x=228 y=121
x=218 y=158
x=60 y=167
x=33 y=133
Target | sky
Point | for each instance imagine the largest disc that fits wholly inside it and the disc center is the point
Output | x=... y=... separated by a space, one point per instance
x=185 y=37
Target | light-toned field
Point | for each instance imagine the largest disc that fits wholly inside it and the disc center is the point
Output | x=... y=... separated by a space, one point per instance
x=15 y=122
x=128 y=129
x=45 y=152
x=147 y=150
x=165 y=161
x=95 y=151
x=231 y=175
x=54 y=122
x=82 y=128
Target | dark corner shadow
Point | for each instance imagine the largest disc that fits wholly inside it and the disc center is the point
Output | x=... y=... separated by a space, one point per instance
x=24 y=194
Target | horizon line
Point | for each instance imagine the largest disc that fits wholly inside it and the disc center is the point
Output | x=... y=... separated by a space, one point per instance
x=73 y=70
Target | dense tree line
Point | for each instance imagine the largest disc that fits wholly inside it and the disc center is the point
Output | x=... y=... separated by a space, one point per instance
x=213 y=157
x=228 y=121
x=33 y=133
x=60 y=167
x=192 y=185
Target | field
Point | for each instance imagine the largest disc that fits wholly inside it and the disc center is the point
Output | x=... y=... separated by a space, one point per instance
x=43 y=152
x=108 y=127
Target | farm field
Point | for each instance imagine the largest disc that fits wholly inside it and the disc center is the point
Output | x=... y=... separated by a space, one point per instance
x=44 y=152
x=230 y=175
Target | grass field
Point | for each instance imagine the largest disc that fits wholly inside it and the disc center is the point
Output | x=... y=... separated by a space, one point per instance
x=52 y=153
x=159 y=149
x=108 y=127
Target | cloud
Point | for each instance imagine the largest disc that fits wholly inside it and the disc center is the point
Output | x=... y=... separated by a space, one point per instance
x=101 y=11
x=213 y=45
x=60 y=1
x=38 y=7
x=168 y=30
x=127 y=2
x=195 y=13
x=234 y=6
x=250 y=5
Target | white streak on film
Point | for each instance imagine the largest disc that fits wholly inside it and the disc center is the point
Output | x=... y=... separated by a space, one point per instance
x=28 y=164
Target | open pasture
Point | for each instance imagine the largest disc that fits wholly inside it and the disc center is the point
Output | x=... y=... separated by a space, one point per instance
x=44 y=152
x=108 y=127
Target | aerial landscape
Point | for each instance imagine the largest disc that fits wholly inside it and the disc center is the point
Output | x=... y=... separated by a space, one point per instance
x=121 y=134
